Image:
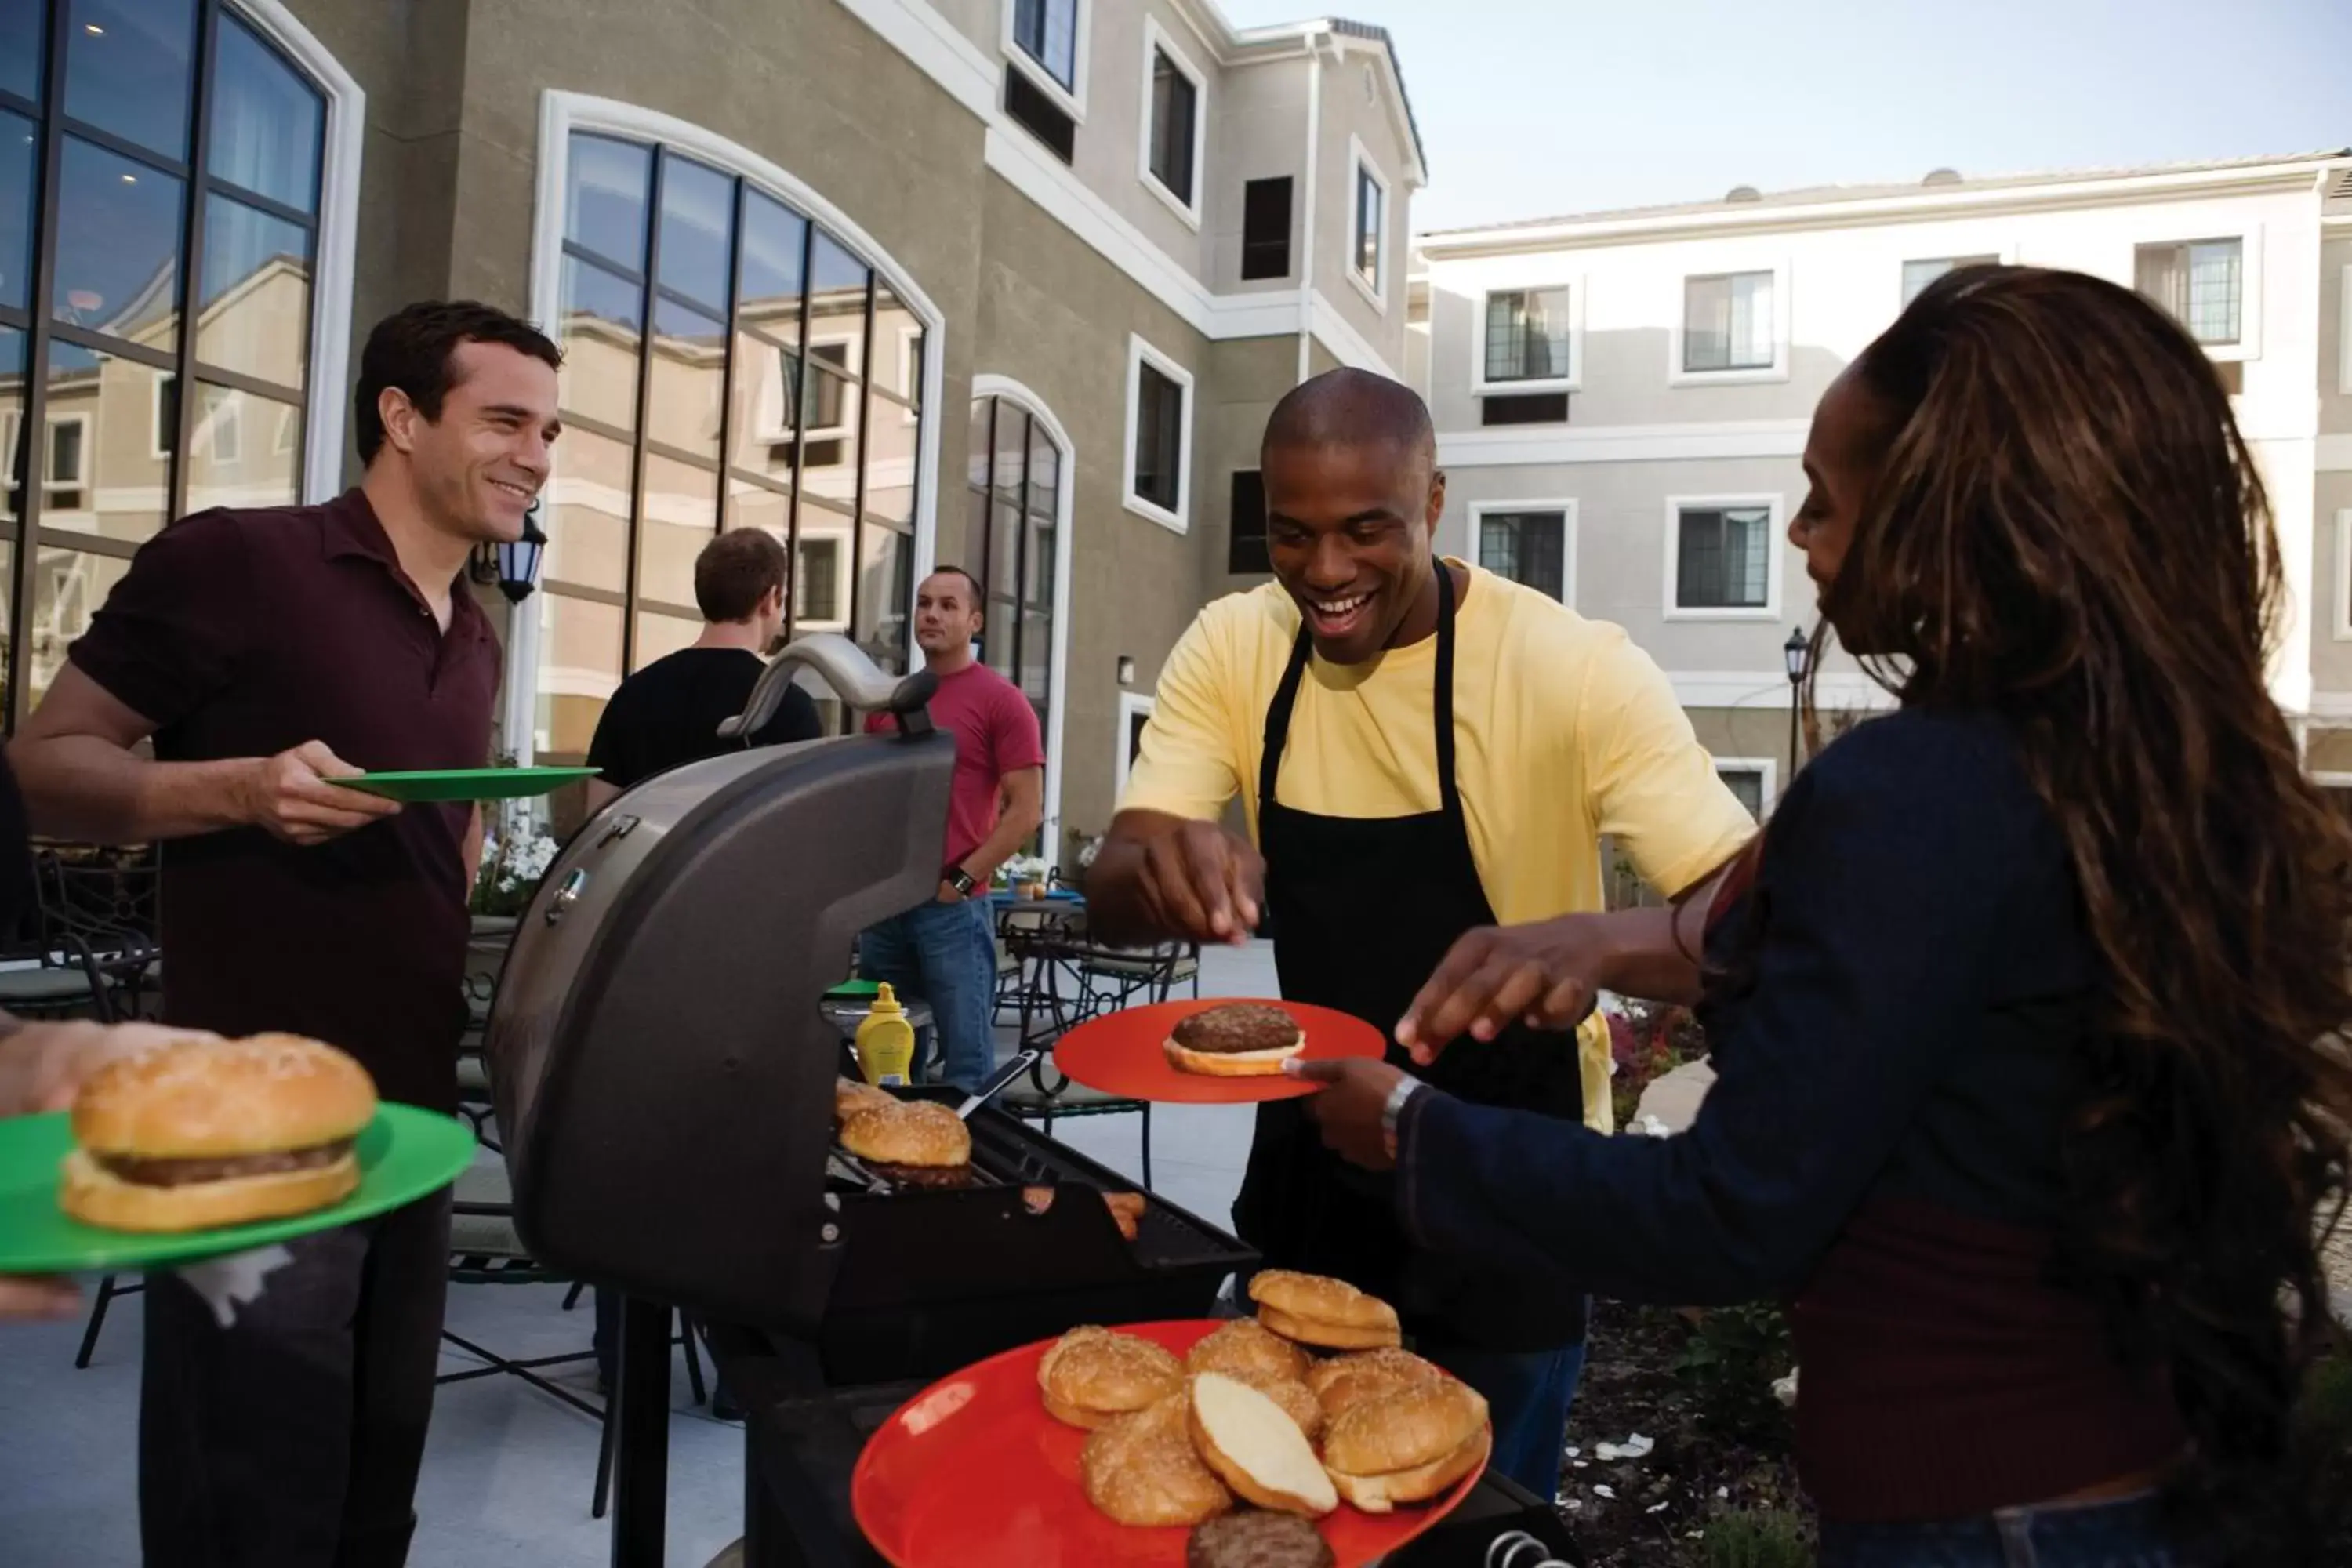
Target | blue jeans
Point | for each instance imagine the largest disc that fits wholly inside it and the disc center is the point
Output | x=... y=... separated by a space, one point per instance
x=2130 y=1533
x=946 y=955
x=1527 y=1396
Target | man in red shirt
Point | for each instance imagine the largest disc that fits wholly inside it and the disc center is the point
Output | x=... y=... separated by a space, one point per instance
x=945 y=951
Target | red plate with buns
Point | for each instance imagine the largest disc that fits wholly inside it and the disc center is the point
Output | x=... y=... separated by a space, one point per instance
x=1142 y=1053
x=973 y=1472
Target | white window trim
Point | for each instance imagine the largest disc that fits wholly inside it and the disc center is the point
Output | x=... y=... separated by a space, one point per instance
x=1775 y=562
x=2249 y=345
x=844 y=547
x=226 y=414
x=2344 y=332
x=1360 y=161
x=1131 y=704
x=1139 y=354
x=1057 y=713
x=908 y=374
x=1157 y=43
x=2343 y=589
x=1778 y=370
x=288 y=432
x=1573 y=381
x=1567 y=510
x=327 y=393
x=559 y=114
x=847 y=364
x=1766 y=768
x=1072 y=98
x=2006 y=255
x=79 y=479
x=156 y=450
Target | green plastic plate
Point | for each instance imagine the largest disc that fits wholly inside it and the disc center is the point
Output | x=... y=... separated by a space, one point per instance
x=466 y=784
x=404 y=1154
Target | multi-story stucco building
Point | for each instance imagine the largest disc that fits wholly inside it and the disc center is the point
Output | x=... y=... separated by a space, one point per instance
x=1007 y=284
x=1621 y=398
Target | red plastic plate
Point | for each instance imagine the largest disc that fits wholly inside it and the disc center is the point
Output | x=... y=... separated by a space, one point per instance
x=1123 y=1054
x=973 y=1473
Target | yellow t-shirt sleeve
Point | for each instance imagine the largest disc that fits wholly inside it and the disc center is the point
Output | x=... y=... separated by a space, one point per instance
x=1592 y=1062
x=1186 y=765
x=1654 y=789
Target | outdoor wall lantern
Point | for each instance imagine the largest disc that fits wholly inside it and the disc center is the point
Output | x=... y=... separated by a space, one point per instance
x=513 y=564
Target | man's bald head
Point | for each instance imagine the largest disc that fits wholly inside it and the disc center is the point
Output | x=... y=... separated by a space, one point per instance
x=1348 y=407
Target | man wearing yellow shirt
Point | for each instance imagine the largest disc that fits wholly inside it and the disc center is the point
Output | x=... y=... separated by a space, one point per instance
x=1422 y=750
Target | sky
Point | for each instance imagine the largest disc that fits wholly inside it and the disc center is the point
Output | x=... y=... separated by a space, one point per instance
x=1539 y=108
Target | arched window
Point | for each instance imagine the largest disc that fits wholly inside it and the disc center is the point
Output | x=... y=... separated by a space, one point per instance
x=150 y=151
x=1016 y=503
x=729 y=361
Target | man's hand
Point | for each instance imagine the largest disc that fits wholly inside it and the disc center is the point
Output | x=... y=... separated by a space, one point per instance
x=948 y=894
x=41 y=1068
x=1356 y=1091
x=288 y=796
x=1548 y=975
x=1200 y=883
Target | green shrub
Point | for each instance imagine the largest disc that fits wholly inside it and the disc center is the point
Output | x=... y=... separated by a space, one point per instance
x=1756 y=1538
x=1731 y=1362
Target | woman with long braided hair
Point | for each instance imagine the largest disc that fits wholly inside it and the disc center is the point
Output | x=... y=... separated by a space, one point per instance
x=2028 y=1005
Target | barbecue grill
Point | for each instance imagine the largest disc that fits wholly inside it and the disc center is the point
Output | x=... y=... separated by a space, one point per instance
x=663 y=1076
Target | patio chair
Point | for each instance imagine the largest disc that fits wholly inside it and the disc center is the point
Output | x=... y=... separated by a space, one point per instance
x=99 y=907
x=484 y=1249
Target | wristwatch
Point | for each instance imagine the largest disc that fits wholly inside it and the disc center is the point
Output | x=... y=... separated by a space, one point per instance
x=1406 y=1088
x=959 y=879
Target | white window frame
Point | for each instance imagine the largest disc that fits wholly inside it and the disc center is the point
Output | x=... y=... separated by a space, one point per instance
x=226 y=414
x=288 y=431
x=1139 y=355
x=1359 y=163
x=1072 y=100
x=1567 y=510
x=2004 y=256
x=1775 y=530
x=2344 y=332
x=2249 y=345
x=12 y=425
x=844 y=547
x=2342 y=593
x=156 y=449
x=1156 y=43
x=1573 y=381
x=848 y=365
x=1745 y=375
x=1006 y=389
x=1768 y=771
x=1131 y=704
x=910 y=374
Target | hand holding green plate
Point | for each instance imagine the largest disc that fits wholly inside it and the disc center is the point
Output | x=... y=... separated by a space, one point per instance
x=404 y=1155
x=465 y=785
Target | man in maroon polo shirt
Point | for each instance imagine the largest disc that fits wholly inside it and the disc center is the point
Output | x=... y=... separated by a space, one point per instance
x=266 y=652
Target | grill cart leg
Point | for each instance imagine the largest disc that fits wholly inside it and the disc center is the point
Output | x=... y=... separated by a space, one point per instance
x=641 y=1453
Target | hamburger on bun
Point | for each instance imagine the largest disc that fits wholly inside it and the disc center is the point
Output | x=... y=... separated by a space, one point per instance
x=1142 y=1469
x=1092 y=1376
x=1256 y=1448
x=1234 y=1039
x=911 y=1143
x=1408 y=1445
x=1253 y=1539
x=1313 y=1310
x=215 y=1132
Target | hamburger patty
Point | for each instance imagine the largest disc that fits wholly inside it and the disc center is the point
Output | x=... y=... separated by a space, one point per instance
x=181 y=1172
x=1237 y=1027
x=1257 y=1541
x=922 y=1176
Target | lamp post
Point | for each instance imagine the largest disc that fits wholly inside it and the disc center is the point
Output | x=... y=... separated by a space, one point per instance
x=1798 y=654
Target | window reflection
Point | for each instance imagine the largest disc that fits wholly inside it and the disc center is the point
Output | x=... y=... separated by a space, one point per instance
x=266 y=121
x=128 y=69
x=602 y=325
x=689 y=375
x=680 y=515
x=579 y=665
x=255 y=313
x=69 y=585
x=588 y=513
x=19 y=144
x=20 y=47
x=236 y=453
x=101 y=472
x=118 y=244
x=697 y=229
x=605 y=183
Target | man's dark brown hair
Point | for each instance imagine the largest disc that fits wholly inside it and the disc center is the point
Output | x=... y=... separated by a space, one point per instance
x=413 y=349
x=735 y=571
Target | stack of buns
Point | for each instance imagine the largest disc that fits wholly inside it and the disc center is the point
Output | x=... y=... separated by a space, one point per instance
x=1252 y=1413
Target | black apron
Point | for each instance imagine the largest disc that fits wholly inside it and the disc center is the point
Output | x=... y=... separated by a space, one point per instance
x=1364 y=909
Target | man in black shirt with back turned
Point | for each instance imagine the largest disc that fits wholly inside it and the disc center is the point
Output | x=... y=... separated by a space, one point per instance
x=668 y=713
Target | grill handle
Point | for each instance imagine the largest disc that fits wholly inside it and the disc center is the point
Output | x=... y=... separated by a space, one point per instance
x=845 y=667
x=988 y=1091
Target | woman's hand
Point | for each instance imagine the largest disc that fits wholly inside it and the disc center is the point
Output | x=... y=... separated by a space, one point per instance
x=42 y=1067
x=1354 y=1093
x=1546 y=975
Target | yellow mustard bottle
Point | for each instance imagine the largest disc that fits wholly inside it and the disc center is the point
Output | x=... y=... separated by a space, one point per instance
x=885 y=1042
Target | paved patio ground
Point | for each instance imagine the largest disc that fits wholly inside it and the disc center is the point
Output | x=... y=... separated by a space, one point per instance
x=508 y=1471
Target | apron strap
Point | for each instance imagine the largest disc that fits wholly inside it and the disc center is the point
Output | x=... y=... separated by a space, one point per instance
x=1277 y=718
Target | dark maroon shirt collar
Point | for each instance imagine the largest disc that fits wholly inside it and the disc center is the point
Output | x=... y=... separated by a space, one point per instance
x=352 y=528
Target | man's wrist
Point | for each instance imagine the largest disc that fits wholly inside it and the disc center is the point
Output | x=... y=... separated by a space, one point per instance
x=1392 y=1112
